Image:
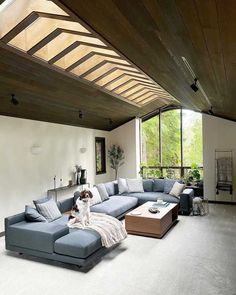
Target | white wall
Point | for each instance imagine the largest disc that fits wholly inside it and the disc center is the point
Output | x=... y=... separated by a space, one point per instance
x=127 y=136
x=217 y=134
x=24 y=176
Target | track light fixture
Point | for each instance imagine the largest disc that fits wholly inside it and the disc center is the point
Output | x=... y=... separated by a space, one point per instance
x=81 y=115
x=210 y=112
x=14 y=100
x=194 y=85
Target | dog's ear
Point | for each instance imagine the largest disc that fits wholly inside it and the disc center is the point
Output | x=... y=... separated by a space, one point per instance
x=90 y=194
x=75 y=208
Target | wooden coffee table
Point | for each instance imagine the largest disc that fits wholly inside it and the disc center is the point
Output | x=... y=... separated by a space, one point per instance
x=149 y=224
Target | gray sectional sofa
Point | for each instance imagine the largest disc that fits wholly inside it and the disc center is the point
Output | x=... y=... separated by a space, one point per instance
x=56 y=241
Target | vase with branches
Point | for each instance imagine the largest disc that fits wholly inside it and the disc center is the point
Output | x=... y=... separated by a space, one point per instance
x=116 y=157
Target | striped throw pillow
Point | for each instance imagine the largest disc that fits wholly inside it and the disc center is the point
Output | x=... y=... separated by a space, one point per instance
x=49 y=210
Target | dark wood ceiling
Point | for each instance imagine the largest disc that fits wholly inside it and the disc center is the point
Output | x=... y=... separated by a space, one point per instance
x=154 y=35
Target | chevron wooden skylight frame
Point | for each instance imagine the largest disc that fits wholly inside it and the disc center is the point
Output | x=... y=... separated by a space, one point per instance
x=48 y=32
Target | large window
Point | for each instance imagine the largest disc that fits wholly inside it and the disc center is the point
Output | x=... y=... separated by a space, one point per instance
x=172 y=142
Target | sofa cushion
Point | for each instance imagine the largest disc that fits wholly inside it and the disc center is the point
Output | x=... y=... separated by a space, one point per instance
x=96 y=199
x=38 y=236
x=115 y=206
x=66 y=204
x=152 y=196
x=135 y=185
x=168 y=184
x=158 y=185
x=102 y=191
x=79 y=244
x=122 y=185
x=177 y=189
x=31 y=214
x=148 y=185
x=110 y=187
x=49 y=210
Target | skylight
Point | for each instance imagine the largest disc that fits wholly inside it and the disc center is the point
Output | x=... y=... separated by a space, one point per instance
x=46 y=32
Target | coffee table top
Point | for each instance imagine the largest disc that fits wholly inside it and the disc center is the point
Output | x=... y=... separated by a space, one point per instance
x=143 y=210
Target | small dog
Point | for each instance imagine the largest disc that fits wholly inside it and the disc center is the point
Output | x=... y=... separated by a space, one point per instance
x=81 y=210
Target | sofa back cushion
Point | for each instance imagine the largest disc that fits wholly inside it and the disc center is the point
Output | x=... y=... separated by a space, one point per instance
x=102 y=191
x=49 y=210
x=135 y=185
x=110 y=187
x=122 y=185
x=158 y=185
x=148 y=185
x=96 y=199
x=169 y=183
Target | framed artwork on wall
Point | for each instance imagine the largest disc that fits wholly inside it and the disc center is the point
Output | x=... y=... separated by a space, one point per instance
x=100 y=155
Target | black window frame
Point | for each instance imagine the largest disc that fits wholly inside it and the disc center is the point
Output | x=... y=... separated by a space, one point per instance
x=102 y=141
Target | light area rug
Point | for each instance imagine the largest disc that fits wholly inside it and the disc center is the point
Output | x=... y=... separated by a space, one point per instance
x=196 y=257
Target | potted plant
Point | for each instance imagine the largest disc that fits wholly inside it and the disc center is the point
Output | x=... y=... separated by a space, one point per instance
x=193 y=174
x=116 y=157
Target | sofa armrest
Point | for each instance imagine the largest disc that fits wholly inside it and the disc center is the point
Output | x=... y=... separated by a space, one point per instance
x=186 y=201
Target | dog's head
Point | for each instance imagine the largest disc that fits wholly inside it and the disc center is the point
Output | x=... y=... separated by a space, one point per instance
x=85 y=196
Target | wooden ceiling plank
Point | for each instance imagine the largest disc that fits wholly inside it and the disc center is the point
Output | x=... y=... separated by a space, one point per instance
x=64 y=52
x=64 y=40
x=20 y=27
x=44 y=41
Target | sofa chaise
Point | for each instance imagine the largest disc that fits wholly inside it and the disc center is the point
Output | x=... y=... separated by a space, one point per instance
x=56 y=241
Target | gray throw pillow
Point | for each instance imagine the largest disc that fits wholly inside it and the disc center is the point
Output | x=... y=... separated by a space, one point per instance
x=102 y=191
x=31 y=214
x=110 y=187
x=148 y=185
x=168 y=184
x=40 y=201
x=158 y=185
x=49 y=210
x=122 y=185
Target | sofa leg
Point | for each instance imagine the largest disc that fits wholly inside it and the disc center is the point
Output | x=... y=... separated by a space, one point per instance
x=20 y=253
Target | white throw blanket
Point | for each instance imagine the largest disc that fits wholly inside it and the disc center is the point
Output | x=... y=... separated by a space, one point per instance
x=110 y=229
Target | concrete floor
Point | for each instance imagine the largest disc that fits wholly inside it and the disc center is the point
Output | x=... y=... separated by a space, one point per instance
x=197 y=256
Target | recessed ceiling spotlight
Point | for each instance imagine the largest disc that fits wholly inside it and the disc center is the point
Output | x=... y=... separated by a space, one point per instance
x=194 y=85
x=81 y=115
x=14 y=100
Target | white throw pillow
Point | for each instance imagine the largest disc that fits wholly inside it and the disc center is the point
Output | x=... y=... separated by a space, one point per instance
x=177 y=189
x=96 y=199
x=122 y=185
x=135 y=185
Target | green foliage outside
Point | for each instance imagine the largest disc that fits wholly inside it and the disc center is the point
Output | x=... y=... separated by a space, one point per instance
x=171 y=142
